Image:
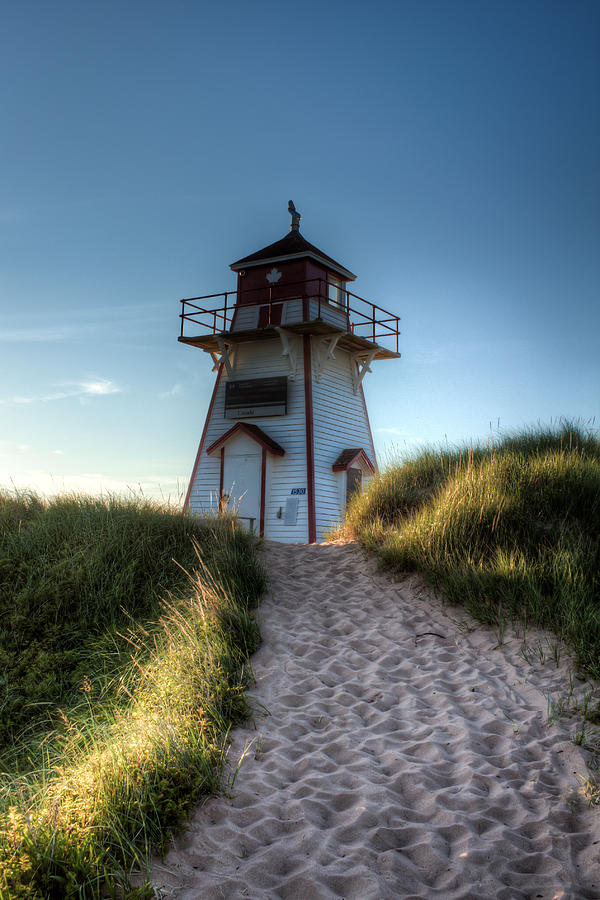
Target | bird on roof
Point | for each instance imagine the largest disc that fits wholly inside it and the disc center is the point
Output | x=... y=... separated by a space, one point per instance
x=295 y=226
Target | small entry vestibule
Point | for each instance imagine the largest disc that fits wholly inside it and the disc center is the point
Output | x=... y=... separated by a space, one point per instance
x=243 y=451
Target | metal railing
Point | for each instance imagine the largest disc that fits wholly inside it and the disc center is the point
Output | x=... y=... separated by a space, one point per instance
x=361 y=317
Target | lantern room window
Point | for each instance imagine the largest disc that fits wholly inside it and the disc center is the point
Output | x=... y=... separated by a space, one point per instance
x=336 y=290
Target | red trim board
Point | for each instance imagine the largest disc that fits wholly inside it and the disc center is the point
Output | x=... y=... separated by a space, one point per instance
x=362 y=394
x=222 y=474
x=199 y=453
x=206 y=421
x=310 y=450
x=263 y=484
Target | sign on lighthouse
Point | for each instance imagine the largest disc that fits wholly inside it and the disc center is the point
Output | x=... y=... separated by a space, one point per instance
x=286 y=441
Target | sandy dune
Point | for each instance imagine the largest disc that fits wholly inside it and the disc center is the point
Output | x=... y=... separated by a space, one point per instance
x=403 y=755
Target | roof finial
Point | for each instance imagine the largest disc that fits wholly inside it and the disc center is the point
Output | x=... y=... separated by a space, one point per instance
x=295 y=226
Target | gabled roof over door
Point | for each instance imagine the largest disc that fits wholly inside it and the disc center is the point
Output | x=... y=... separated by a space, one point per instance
x=355 y=456
x=253 y=431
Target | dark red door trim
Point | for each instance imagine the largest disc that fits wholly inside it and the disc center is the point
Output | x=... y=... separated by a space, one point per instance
x=310 y=442
x=199 y=453
x=263 y=486
x=222 y=476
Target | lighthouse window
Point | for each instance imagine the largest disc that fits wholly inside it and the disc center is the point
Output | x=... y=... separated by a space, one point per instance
x=336 y=290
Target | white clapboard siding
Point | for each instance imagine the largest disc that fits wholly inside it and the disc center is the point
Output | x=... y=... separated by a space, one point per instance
x=262 y=359
x=328 y=312
x=339 y=419
x=292 y=312
x=247 y=316
x=340 y=422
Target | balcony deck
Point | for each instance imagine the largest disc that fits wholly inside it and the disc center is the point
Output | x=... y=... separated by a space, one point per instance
x=348 y=341
x=364 y=327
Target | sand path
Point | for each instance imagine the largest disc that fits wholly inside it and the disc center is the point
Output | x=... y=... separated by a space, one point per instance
x=402 y=756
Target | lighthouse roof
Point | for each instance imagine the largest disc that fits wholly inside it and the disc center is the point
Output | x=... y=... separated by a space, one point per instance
x=292 y=246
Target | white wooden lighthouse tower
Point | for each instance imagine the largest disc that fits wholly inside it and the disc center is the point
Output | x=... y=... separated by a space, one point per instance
x=286 y=439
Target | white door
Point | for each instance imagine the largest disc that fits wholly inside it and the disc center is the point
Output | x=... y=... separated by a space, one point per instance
x=241 y=481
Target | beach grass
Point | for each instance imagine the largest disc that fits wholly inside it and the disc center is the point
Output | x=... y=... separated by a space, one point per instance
x=509 y=530
x=126 y=633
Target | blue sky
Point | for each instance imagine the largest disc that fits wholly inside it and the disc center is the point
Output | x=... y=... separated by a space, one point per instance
x=446 y=152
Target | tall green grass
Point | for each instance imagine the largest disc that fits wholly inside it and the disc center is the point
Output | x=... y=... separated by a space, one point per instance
x=507 y=530
x=149 y=665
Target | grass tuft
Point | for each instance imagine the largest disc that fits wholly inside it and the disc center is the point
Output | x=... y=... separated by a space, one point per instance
x=154 y=667
x=511 y=530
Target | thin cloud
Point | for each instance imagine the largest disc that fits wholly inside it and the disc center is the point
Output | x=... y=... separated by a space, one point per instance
x=73 y=324
x=14 y=446
x=445 y=353
x=163 y=487
x=38 y=335
x=100 y=386
x=81 y=389
x=176 y=389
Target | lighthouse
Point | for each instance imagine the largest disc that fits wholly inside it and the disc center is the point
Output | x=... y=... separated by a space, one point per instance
x=286 y=441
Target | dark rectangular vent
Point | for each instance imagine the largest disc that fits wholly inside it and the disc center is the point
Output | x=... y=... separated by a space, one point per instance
x=256 y=397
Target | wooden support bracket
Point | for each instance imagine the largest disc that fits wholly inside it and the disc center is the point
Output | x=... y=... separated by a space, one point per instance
x=225 y=357
x=360 y=365
x=290 y=347
x=323 y=353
